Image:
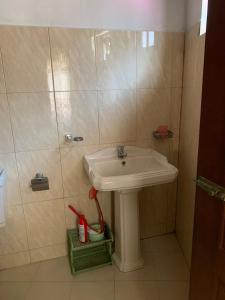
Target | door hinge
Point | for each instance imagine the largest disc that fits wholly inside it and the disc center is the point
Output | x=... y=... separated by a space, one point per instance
x=211 y=188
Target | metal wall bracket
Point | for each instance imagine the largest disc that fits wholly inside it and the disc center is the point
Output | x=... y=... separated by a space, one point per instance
x=211 y=188
x=159 y=135
x=70 y=138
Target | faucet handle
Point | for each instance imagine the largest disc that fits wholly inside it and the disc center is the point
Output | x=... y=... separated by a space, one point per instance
x=121 y=153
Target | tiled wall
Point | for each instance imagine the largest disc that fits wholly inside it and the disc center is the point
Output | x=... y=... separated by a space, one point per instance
x=189 y=136
x=109 y=87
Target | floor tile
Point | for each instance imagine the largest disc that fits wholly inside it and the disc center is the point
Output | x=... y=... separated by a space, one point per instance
x=49 y=291
x=24 y=273
x=165 y=243
x=164 y=277
x=106 y=274
x=54 y=270
x=92 y=291
x=13 y=291
x=148 y=272
x=171 y=266
x=136 y=290
x=174 y=290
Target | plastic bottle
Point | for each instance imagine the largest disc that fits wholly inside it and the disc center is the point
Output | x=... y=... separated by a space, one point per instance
x=82 y=225
x=83 y=229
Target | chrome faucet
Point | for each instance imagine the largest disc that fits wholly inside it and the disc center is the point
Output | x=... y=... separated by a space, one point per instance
x=121 y=153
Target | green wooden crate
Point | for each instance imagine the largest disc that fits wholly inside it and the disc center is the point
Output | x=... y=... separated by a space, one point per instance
x=92 y=255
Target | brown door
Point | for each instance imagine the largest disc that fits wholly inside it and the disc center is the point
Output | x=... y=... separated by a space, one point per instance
x=208 y=257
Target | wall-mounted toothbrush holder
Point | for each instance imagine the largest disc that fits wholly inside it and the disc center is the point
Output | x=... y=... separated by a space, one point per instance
x=69 y=138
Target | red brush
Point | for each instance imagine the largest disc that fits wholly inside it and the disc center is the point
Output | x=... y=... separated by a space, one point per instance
x=74 y=211
x=93 y=195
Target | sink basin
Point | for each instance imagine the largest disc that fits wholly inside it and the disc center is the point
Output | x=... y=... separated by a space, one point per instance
x=142 y=167
x=126 y=177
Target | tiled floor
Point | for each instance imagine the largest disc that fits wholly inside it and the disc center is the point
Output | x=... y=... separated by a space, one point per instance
x=164 y=277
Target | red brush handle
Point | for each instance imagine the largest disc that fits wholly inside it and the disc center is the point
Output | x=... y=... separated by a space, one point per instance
x=93 y=195
x=74 y=211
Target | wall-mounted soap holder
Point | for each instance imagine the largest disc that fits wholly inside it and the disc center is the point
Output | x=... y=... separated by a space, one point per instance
x=163 y=135
x=70 y=138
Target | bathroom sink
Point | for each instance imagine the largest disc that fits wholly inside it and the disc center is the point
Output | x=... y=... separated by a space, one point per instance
x=125 y=171
x=141 y=167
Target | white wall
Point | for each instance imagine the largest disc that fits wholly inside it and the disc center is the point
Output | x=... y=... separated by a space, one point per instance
x=162 y=15
x=194 y=8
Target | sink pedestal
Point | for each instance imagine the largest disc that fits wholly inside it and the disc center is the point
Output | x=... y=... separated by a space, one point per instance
x=127 y=254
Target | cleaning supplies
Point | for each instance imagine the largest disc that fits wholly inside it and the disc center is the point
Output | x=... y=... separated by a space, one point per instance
x=93 y=195
x=82 y=225
x=93 y=232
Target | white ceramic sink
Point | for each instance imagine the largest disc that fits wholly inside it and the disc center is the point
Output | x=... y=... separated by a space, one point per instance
x=142 y=167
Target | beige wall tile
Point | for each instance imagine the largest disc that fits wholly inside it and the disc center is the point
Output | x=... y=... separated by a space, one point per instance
x=194 y=57
x=14 y=260
x=48 y=252
x=77 y=114
x=8 y=162
x=13 y=237
x=190 y=60
x=162 y=146
x=177 y=59
x=191 y=106
x=26 y=58
x=153 y=110
x=154 y=59
x=6 y=142
x=106 y=202
x=75 y=180
x=33 y=121
x=117 y=116
x=174 y=145
x=157 y=196
x=189 y=137
x=46 y=162
x=2 y=79
x=73 y=57
x=153 y=208
x=171 y=206
x=116 y=59
x=45 y=223
x=175 y=110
